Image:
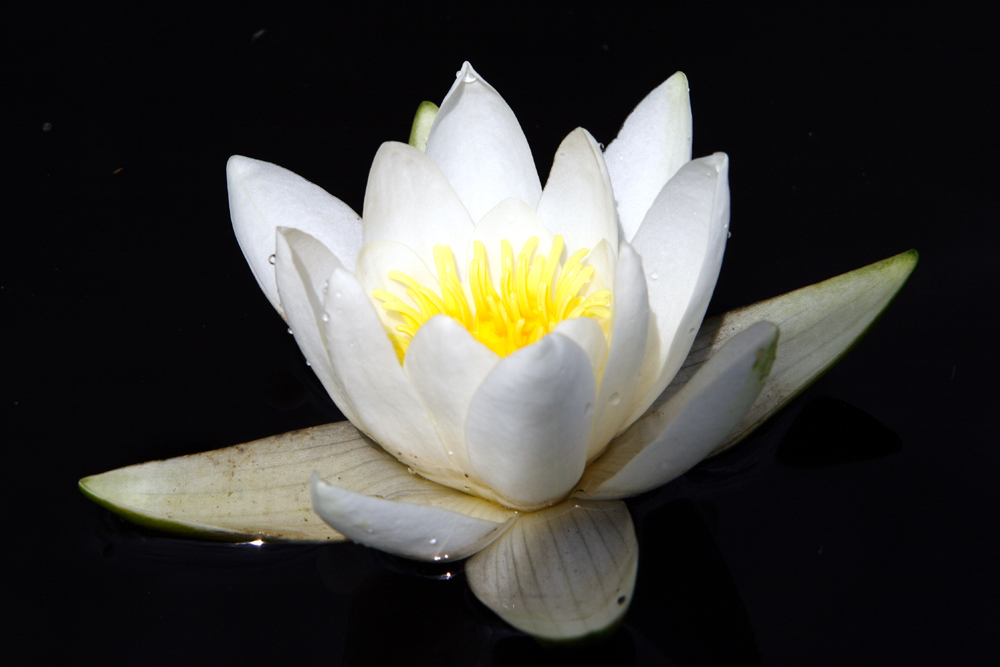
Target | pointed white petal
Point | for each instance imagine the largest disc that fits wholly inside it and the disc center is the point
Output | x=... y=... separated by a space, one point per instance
x=510 y=220
x=478 y=144
x=630 y=310
x=587 y=333
x=577 y=201
x=408 y=200
x=667 y=442
x=263 y=197
x=387 y=407
x=302 y=265
x=819 y=324
x=653 y=144
x=421 y=532
x=372 y=269
x=446 y=366
x=681 y=243
x=562 y=573
x=529 y=423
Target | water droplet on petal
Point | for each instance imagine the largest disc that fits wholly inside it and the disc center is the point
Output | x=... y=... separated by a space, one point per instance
x=411 y=471
x=615 y=399
x=271 y=259
x=336 y=294
x=433 y=541
x=351 y=345
x=654 y=275
x=326 y=318
x=290 y=330
x=691 y=330
x=307 y=363
x=729 y=235
x=511 y=217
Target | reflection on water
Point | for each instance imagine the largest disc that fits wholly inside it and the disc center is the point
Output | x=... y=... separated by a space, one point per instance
x=830 y=432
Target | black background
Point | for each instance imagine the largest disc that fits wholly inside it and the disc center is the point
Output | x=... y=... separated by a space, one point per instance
x=858 y=528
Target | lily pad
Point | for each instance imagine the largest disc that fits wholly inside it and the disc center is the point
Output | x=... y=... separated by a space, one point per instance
x=260 y=489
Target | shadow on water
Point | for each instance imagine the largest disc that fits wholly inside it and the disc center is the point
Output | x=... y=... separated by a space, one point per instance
x=829 y=432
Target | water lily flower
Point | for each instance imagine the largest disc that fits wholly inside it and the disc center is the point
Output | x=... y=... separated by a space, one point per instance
x=503 y=342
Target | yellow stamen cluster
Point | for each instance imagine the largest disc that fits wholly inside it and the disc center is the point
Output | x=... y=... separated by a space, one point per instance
x=531 y=300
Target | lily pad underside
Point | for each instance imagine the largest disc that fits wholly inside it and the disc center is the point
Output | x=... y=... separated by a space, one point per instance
x=260 y=489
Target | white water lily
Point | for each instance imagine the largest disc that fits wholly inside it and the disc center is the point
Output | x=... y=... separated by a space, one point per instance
x=494 y=337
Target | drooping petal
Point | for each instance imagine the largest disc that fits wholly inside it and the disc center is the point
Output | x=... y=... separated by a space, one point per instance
x=653 y=144
x=681 y=242
x=479 y=146
x=446 y=366
x=302 y=265
x=511 y=220
x=629 y=328
x=562 y=573
x=409 y=200
x=668 y=441
x=421 y=532
x=577 y=201
x=264 y=196
x=260 y=489
x=388 y=409
x=529 y=422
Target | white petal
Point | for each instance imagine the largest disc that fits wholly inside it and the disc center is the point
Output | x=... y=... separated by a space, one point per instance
x=302 y=265
x=681 y=243
x=409 y=200
x=629 y=328
x=510 y=220
x=577 y=201
x=652 y=145
x=387 y=407
x=413 y=531
x=263 y=197
x=529 y=423
x=372 y=269
x=446 y=366
x=478 y=144
x=561 y=573
x=587 y=333
x=668 y=441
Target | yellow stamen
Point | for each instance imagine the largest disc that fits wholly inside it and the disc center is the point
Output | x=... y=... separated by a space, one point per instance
x=531 y=300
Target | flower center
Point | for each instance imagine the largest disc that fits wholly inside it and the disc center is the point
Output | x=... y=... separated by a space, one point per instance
x=531 y=300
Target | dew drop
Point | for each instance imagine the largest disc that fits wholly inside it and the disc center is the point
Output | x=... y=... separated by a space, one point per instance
x=654 y=275
x=615 y=399
x=433 y=540
x=326 y=318
x=307 y=363
x=351 y=345
x=511 y=217
x=411 y=471
x=466 y=487
x=336 y=294
x=691 y=330
x=437 y=558
x=729 y=235
x=469 y=77
x=290 y=330
x=270 y=260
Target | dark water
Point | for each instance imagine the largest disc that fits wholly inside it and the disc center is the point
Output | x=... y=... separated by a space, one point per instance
x=858 y=528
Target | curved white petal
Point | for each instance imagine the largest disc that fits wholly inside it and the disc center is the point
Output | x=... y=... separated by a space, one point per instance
x=264 y=196
x=376 y=260
x=511 y=220
x=587 y=333
x=652 y=145
x=561 y=573
x=421 y=532
x=529 y=423
x=668 y=441
x=409 y=200
x=446 y=366
x=577 y=201
x=629 y=329
x=479 y=146
x=301 y=266
x=387 y=407
x=681 y=242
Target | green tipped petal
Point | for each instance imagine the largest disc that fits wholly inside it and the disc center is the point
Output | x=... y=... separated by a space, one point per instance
x=819 y=324
x=422 y=122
